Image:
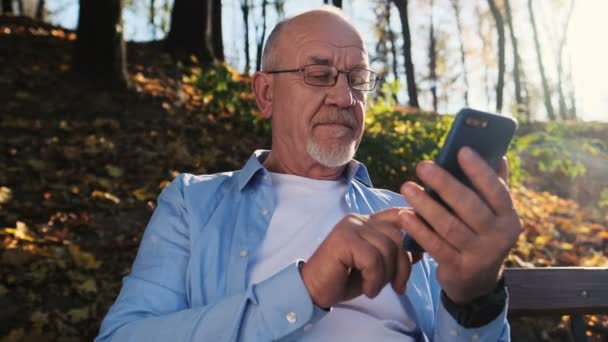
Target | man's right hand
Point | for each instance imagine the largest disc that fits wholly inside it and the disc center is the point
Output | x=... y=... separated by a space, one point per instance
x=360 y=256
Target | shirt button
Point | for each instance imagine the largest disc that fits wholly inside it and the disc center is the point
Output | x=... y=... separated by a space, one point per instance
x=264 y=211
x=475 y=337
x=454 y=332
x=244 y=253
x=307 y=327
x=291 y=317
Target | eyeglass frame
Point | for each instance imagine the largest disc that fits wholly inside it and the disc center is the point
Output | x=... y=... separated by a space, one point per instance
x=345 y=72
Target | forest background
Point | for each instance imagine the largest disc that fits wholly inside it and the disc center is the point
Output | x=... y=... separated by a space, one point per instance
x=93 y=126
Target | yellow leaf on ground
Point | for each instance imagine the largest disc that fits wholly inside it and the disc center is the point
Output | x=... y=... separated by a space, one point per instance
x=566 y=246
x=541 y=240
x=82 y=259
x=105 y=195
x=142 y=194
x=88 y=286
x=5 y=195
x=21 y=232
x=114 y=171
x=78 y=315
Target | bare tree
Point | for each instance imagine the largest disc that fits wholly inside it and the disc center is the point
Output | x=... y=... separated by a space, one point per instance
x=151 y=18
x=407 y=53
x=99 y=54
x=486 y=48
x=7 y=7
x=258 y=57
x=215 y=30
x=500 y=29
x=188 y=31
x=563 y=110
x=245 y=12
x=519 y=99
x=539 y=59
x=391 y=40
x=337 y=3
x=40 y=10
x=433 y=60
x=465 y=74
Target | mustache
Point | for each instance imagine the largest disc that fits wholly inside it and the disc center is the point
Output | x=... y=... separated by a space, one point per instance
x=341 y=117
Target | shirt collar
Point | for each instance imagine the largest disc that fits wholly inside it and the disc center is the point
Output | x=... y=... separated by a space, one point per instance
x=354 y=170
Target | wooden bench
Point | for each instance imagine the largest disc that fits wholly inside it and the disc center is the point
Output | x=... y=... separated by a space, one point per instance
x=573 y=291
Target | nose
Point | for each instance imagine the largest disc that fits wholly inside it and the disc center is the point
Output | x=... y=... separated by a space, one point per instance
x=341 y=95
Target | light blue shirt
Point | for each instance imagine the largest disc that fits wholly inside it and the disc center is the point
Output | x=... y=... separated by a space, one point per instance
x=189 y=279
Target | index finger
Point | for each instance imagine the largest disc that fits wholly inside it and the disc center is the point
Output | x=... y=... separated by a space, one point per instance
x=389 y=215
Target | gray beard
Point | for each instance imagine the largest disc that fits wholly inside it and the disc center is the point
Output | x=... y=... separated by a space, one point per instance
x=331 y=156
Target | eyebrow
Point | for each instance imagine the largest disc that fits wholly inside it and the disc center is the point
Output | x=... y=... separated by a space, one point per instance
x=319 y=60
x=326 y=61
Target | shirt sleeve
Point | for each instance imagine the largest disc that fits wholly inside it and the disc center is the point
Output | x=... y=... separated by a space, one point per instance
x=153 y=304
x=447 y=328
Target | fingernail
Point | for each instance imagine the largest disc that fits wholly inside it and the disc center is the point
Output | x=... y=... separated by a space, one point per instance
x=468 y=153
x=408 y=191
x=425 y=168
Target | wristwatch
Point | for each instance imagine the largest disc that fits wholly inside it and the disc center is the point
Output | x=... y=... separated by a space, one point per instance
x=481 y=311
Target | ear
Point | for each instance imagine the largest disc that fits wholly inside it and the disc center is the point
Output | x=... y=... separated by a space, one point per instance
x=261 y=84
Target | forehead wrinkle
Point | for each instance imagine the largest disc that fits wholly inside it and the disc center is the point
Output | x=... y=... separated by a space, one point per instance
x=317 y=53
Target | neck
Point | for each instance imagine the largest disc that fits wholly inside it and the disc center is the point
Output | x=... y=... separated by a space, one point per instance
x=306 y=167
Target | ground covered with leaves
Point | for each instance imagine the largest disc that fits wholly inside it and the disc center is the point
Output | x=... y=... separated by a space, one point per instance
x=81 y=170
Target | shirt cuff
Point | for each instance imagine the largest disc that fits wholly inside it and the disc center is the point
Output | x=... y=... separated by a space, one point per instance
x=448 y=329
x=285 y=303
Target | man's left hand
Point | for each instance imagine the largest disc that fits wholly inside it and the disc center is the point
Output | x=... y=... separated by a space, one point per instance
x=471 y=243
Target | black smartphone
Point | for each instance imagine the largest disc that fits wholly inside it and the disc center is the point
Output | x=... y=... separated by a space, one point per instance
x=488 y=134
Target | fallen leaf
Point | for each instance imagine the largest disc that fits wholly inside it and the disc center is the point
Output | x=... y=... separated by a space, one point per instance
x=5 y=195
x=21 y=232
x=3 y=290
x=82 y=259
x=142 y=194
x=78 y=315
x=88 y=286
x=105 y=195
x=39 y=320
x=114 y=171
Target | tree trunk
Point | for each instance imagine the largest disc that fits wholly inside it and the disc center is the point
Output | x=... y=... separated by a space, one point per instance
x=99 y=54
x=433 y=61
x=485 y=47
x=539 y=58
x=391 y=40
x=563 y=110
x=407 y=53
x=215 y=27
x=519 y=100
x=245 y=11
x=465 y=74
x=7 y=7
x=572 y=96
x=151 y=18
x=258 y=57
x=40 y=10
x=500 y=29
x=188 y=31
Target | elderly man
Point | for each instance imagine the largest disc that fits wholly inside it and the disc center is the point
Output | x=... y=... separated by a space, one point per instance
x=298 y=246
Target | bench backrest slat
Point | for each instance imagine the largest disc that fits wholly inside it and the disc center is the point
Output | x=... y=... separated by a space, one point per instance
x=557 y=290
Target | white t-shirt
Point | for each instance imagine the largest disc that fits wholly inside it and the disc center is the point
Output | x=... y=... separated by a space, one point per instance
x=306 y=211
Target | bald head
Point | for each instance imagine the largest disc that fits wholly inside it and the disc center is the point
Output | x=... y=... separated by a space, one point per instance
x=326 y=20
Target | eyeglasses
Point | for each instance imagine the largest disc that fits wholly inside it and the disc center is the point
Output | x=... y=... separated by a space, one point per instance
x=327 y=76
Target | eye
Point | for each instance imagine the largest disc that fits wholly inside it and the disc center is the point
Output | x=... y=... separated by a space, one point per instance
x=358 y=77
